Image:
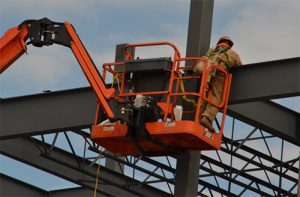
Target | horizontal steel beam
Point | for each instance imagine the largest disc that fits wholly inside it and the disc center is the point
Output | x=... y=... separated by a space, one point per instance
x=72 y=192
x=269 y=116
x=73 y=109
x=12 y=187
x=265 y=81
x=46 y=113
x=72 y=168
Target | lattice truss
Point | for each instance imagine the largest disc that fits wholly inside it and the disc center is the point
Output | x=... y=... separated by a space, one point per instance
x=251 y=162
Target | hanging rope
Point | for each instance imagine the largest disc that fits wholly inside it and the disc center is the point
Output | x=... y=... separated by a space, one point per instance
x=98 y=173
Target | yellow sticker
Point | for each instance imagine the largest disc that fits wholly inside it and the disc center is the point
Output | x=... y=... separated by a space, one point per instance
x=109 y=128
x=170 y=124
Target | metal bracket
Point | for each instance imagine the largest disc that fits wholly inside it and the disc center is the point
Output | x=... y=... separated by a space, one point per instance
x=45 y=32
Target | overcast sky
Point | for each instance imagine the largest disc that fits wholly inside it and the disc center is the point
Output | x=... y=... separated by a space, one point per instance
x=263 y=30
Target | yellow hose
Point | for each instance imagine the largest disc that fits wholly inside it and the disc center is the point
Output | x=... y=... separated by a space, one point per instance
x=98 y=173
x=185 y=98
x=118 y=81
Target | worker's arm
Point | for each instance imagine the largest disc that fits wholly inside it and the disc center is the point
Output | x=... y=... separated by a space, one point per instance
x=199 y=66
x=233 y=58
x=46 y=32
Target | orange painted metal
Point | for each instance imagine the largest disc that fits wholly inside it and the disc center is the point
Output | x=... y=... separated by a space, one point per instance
x=173 y=69
x=103 y=94
x=114 y=138
x=184 y=134
x=165 y=107
x=143 y=93
x=179 y=134
x=12 y=46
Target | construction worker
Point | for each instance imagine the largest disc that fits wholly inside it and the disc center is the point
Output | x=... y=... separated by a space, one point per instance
x=225 y=57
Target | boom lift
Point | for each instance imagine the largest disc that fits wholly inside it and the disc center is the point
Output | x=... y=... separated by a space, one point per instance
x=148 y=111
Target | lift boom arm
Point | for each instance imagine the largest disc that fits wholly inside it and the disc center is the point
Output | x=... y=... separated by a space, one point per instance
x=45 y=32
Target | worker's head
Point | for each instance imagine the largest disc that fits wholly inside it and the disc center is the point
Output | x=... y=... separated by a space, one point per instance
x=225 y=41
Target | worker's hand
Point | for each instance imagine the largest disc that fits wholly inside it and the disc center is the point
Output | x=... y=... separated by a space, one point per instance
x=198 y=68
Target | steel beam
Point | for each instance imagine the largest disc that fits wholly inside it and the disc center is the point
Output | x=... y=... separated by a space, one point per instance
x=244 y=175
x=43 y=113
x=46 y=113
x=13 y=187
x=269 y=116
x=65 y=165
x=71 y=192
x=265 y=81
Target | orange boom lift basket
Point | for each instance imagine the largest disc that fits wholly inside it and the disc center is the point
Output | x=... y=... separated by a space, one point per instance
x=163 y=135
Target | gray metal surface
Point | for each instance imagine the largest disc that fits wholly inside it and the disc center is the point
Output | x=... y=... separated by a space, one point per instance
x=187 y=173
x=299 y=178
x=215 y=173
x=73 y=168
x=269 y=116
x=23 y=116
x=120 y=56
x=35 y=115
x=265 y=81
x=44 y=113
x=12 y=187
x=198 y=41
x=72 y=193
x=200 y=23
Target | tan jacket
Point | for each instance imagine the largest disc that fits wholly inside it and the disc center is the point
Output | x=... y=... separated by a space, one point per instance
x=226 y=59
x=230 y=58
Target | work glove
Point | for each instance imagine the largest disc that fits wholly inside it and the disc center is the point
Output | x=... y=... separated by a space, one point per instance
x=198 y=68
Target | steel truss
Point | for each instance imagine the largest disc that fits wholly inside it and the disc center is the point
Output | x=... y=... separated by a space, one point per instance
x=249 y=163
x=239 y=168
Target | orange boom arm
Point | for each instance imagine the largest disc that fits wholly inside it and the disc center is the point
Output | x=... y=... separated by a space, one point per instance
x=12 y=46
x=45 y=32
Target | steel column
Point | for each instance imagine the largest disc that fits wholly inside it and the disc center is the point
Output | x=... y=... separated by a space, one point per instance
x=120 y=56
x=198 y=41
x=199 y=31
x=187 y=173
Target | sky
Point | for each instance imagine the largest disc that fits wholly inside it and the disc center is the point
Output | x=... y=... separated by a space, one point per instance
x=262 y=30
